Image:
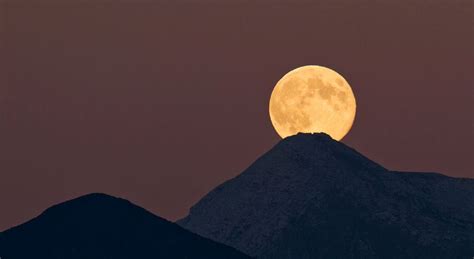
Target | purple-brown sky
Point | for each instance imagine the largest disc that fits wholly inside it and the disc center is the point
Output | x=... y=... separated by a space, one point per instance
x=159 y=102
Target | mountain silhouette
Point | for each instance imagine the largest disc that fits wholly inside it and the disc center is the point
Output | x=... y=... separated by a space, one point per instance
x=313 y=197
x=98 y=226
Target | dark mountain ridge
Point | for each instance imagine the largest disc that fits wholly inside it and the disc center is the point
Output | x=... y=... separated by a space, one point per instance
x=313 y=197
x=98 y=226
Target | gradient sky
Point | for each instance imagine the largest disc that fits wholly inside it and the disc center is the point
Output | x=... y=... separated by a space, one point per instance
x=158 y=102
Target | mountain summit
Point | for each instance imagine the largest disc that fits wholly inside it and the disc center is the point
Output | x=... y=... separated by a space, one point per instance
x=98 y=226
x=313 y=197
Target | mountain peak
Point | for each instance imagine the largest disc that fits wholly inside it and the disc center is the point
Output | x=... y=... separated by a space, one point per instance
x=92 y=198
x=95 y=196
x=313 y=197
x=102 y=226
x=318 y=149
x=89 y=205
x=315 y=135
x=309 y=139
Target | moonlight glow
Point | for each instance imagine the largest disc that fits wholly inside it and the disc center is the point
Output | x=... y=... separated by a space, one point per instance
x=312 y=99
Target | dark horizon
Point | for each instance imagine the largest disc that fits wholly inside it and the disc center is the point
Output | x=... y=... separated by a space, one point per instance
x=160 y=102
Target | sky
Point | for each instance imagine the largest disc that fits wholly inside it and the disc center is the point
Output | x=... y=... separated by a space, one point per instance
x=158 y=102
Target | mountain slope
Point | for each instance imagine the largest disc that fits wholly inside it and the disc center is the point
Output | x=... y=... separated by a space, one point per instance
x=98 y=226
x=313 y=197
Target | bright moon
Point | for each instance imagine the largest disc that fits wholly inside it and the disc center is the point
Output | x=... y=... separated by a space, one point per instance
x=312 y=99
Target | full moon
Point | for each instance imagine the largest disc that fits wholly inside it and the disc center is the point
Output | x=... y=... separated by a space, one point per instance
x=312 y=99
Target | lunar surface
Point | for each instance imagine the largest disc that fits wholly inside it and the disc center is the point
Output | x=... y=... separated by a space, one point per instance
x=312 y=99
